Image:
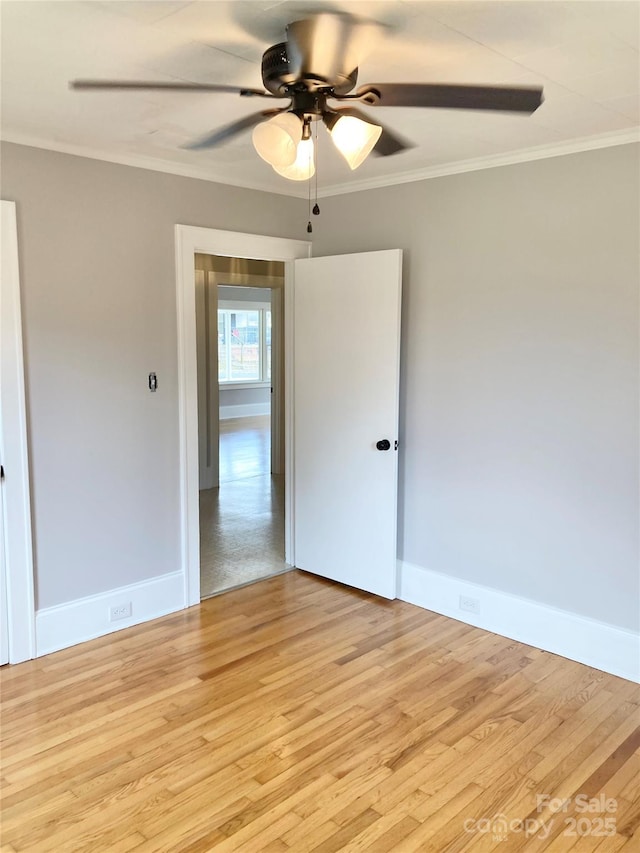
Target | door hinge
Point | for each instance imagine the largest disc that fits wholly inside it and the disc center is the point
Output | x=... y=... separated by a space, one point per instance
x=1 y=472
x=395 y=444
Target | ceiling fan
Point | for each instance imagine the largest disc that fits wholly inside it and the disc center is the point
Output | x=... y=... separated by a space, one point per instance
x=316 y=71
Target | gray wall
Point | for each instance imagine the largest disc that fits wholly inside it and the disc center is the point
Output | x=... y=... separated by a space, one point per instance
x=98 y=288
x=244 y=396
x=519 y=406
x=244 y=293
x=519 y=409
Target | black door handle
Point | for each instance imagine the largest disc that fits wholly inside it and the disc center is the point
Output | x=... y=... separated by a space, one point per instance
x=383 y=444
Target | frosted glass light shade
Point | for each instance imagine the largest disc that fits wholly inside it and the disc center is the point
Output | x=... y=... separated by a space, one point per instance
x=354 y=139
x=276 y=140
x=304 y=167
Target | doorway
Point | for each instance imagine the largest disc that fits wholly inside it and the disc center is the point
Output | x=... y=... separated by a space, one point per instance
x=239 y=331
x=191 y=240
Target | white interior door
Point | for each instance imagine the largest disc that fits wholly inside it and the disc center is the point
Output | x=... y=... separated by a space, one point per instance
x=4 y=608
x=346 y=379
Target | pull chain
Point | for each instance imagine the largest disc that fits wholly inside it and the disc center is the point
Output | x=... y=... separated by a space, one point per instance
x=316 y=208
x=309 y=226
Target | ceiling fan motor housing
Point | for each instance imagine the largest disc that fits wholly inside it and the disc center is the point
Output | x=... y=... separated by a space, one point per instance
x=312 y=58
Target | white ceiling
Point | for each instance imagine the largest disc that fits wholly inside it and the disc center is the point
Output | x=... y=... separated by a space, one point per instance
x=585 y=54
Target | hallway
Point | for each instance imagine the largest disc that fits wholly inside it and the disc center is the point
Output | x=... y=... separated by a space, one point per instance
x=242 y=522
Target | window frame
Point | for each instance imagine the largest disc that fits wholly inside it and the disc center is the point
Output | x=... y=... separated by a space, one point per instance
x=264 y=381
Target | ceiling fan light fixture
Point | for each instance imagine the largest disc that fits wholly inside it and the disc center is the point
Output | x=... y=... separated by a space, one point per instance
x=276 y=140
x=354 y=139
x=304 y=167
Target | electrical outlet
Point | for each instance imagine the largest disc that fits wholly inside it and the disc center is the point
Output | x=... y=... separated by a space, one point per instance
x=471 y=605
x=120 y=611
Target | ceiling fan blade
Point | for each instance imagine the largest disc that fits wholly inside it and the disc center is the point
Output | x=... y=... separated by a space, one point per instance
x=149 y=85
x=525 y=99
x=229 y=130
x=389 y=142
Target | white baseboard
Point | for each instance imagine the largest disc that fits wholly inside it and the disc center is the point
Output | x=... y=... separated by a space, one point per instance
x=87 y=618
x=244 y=410
x=597 y=644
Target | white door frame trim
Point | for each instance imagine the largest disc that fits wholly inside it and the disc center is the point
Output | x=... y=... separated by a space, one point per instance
x=15 y=454
x=189 y=240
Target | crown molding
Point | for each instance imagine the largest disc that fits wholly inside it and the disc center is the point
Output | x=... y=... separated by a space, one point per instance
x=139 y=161
x=509 y=158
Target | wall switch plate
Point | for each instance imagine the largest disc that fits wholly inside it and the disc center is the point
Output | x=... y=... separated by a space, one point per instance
x=471 y=605
x=120 y=611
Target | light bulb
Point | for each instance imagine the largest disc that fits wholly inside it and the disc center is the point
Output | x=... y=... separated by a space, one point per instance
x=276 y=140
x=304 y=167
x=354 y=139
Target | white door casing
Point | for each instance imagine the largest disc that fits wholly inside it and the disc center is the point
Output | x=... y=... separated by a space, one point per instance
x=189 y=240
x=16 y=500
x=346 y=381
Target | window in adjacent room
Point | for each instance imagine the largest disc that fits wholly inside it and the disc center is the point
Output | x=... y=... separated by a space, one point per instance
x=244 y=343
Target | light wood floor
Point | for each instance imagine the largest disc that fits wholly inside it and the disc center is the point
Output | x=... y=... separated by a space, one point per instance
x=295 y=714
x=242 y=522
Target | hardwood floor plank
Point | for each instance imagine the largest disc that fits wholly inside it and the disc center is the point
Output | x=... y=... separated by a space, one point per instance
x=631 y=789
x=393 y=826
x=341 y=838
x=613 y=844
x=444 y=825
x=392 y=838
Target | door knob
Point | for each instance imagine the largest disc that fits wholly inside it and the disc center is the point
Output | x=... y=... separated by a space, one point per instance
x=383 y=444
